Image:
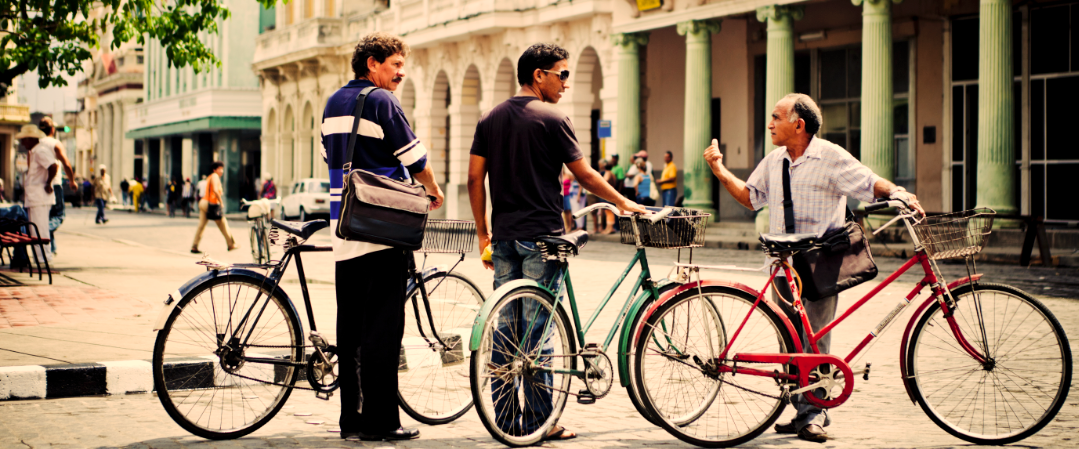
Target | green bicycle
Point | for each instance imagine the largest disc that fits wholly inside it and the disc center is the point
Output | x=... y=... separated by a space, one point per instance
x=525 y=350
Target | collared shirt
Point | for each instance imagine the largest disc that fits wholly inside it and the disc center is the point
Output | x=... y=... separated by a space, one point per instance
x=41 y=158
x=669 y=171
x=385 y=145
x=821 y=181
x=58 y=178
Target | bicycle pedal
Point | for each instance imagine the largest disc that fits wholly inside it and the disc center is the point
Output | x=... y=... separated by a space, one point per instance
x=585 y=397
x=325 y=396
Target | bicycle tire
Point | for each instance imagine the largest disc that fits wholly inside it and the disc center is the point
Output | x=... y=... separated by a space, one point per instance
x=484 y=367
x=256 y=246
x=433 y=386
x=264 y=240
x=1013 y=321
x=631 y=385
x=197 y=386
x=705 y=409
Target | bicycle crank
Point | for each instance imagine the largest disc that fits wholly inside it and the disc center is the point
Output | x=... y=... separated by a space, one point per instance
x=322 y=372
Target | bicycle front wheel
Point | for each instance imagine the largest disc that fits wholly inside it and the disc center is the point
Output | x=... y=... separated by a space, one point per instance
x=522 y=370
x=1017 y=391
x=256 y=243
x=432 y=379
x=677 y=361
x=206 y=379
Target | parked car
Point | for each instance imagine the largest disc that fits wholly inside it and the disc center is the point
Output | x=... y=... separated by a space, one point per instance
x=305 y=197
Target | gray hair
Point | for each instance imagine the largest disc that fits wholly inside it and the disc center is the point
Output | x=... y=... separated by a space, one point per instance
x=806 y=109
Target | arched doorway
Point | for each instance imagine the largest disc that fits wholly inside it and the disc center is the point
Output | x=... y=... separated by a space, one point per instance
x=440 y=127
x=505 y=82
x=287 y=150
x=269 y=148
x=407 y=97
x=587 y=106
x=306 y=143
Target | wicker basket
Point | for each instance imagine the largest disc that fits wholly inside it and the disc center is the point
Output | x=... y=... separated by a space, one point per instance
x=955 y=235
x=671 y=232
x=449 y=236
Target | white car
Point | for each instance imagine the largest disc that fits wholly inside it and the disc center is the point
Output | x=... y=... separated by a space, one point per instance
x=307 y=196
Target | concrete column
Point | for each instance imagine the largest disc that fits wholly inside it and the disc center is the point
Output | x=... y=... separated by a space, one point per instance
x=187 y=158
x=878 y=137
x=779 y=70
x=627 y=126
x=996 y=132
x=697 y=130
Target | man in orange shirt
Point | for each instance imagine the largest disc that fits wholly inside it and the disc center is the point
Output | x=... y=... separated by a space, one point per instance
x=211 y=208
x=668 y=182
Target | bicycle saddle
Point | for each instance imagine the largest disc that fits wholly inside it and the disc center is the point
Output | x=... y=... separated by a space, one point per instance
x=302 y=229
x=778 y=243
x=574 y=241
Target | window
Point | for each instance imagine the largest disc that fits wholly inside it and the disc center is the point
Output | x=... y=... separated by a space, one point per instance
x=323 y=187
x=840 y=97
x=139 y=59
x=1054 y=82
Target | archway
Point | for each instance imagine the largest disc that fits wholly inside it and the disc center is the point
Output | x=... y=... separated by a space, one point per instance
x=505 y=82
x=269 y=148
x=407 y=97
x=586 y=106
x=287 y=150
x=306 y=143
x=438 y=156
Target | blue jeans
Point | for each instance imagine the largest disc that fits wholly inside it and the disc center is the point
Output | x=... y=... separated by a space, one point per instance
x=519 y=259
x=56 y=215
x=669 y=196
x=100 y=217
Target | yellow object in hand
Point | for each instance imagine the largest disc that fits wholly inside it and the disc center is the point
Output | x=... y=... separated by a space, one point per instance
x=486 y=256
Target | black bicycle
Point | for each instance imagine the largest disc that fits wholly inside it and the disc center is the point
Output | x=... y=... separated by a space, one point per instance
x=230 y=346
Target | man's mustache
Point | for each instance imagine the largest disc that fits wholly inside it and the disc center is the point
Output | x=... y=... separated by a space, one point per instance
x=398 y=79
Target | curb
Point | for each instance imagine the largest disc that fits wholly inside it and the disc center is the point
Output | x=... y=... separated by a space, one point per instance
x=73 y=380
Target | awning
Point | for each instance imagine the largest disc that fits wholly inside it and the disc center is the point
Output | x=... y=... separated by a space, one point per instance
x=204 y=124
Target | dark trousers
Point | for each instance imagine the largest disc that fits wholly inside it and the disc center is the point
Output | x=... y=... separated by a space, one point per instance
x=100 y=217
x=370 y=325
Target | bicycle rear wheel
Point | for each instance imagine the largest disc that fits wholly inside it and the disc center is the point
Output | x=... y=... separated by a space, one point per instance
x=433 y=380
x=256 y=239
x=520 y=380
x=676 y=361
x=204 y=381
x=1017 y=392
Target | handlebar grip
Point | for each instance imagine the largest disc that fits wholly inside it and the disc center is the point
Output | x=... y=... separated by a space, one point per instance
x=876 y=206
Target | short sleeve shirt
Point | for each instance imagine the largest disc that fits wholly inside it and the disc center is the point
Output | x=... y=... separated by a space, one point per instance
x=385 y=145
x=42 y=156
x=669 y=171
x=525 y=143
x=821 y=180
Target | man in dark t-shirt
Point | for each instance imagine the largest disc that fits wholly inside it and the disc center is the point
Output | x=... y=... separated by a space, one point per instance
x=522 y=145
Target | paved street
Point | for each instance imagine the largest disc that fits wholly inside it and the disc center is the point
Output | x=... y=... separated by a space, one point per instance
x=133 y=262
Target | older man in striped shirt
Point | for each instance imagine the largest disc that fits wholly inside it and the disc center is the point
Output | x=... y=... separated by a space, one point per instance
x=822 y=176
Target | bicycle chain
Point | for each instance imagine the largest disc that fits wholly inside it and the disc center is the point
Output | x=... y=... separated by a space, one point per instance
x=781 y=397
x=273 y=383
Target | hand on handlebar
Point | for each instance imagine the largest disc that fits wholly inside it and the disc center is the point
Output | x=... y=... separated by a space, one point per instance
x=628 y=206
x=910 y=199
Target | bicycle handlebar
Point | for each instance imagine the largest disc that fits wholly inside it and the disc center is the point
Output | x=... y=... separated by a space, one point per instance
x=653 y=217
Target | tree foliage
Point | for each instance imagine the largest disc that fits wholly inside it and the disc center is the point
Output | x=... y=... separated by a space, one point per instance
x=53 y=37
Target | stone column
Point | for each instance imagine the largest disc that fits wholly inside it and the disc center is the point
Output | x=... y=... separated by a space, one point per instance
x=628 y=124
x=697 y=130
x=186 y=158
x=878 y=137
x=778 y=69
x=996 y=132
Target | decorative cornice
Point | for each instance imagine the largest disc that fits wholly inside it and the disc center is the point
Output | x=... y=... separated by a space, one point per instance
x=774 y=12
x=629 y=39
x=700 y=26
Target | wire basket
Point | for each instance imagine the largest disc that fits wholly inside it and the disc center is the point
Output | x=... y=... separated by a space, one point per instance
x=684 y=231
x=449 y=236
x=955 y=235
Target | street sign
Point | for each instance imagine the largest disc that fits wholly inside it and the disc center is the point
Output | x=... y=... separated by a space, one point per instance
x=603 y=129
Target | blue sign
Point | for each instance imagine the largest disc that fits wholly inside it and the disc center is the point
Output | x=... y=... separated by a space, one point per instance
x=603 y=129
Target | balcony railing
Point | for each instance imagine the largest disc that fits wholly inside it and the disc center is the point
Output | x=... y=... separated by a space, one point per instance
x=14 y=113
x=316 y=32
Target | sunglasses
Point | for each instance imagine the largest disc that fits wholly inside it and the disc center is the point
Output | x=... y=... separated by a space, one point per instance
x=562 y=76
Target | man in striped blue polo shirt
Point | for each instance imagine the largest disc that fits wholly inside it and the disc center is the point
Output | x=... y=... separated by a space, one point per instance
x=371 y=278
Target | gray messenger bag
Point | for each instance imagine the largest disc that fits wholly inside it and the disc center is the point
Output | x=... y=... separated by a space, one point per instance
x=379 y=209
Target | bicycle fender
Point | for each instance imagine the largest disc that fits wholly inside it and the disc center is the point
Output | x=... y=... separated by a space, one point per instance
x=624 y=348
x=410 y=289
x=719 y=283
x=910 y=325
x=176 y=296
x=481 y=318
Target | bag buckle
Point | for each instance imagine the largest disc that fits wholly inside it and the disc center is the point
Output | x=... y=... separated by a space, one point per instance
x=347 y=167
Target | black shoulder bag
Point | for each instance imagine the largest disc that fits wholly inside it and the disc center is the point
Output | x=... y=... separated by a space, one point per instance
x=840 y=259
x=379 y=209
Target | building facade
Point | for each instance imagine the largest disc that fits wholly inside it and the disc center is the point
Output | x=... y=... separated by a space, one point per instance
x=463 y=63
x=189 y=120
x=13 y=115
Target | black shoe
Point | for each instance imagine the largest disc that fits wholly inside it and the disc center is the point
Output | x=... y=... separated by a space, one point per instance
x=347 y=435
x=813 y=433
x=399 y=434
x=786 y=428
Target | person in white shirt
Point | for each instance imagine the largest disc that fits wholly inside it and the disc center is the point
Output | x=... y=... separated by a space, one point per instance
x=38 y=198
x=56 y=213
x=200 y=188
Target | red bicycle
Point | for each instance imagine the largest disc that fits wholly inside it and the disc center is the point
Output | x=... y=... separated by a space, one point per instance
x=717 y=362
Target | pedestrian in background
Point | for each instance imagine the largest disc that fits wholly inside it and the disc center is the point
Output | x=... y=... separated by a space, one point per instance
x=212 y=208
x=102 y=192
x=3 y=195
x=604 y=216
x=187 y=197
x=200 y=189
x=134 y=191
x=172 y=196
x=39 y=191
x=124 y=187
x=643 y=182
x=87 y=190
x=668 y=181
x=269 y=189
x=57 y=212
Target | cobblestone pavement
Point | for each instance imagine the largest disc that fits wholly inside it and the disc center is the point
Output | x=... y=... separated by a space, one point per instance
x=879 y=414
x=33 y=305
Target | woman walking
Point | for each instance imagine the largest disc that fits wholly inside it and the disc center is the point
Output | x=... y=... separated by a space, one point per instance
x=210 y=208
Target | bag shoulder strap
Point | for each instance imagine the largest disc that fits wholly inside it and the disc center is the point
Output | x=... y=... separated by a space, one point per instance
x=788 y=204
x=356 y=126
